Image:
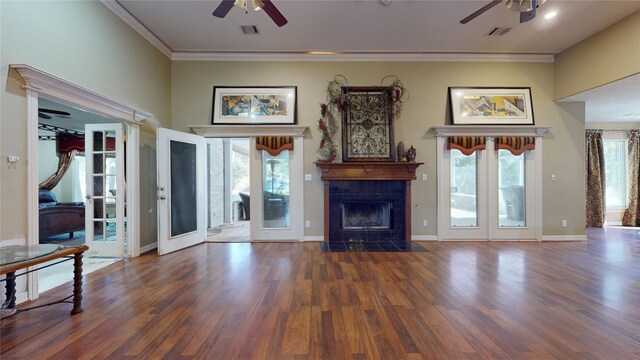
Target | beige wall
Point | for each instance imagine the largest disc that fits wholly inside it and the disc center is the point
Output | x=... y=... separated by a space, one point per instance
x=563 y=148
x=82 y=42
x=609 y=55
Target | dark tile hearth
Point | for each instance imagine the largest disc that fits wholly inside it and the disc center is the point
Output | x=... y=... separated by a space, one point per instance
x=369 y=246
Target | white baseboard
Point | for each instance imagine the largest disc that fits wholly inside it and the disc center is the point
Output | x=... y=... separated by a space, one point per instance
x=424 y=238
x=313 y=238
x=564 y=238
x=149 y=247
x=21 y=297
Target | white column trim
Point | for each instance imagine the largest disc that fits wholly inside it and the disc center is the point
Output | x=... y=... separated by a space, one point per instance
x=33 y=219
x=133 y=195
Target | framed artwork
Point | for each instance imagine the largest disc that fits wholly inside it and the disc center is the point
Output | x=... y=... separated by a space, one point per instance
x=490 y=106
x=367 y=124
x=254 y=105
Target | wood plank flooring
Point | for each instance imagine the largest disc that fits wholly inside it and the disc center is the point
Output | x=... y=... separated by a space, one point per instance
x=469 y=300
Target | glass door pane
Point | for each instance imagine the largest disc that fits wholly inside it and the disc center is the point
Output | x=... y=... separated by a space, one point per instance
x=184 y=202
x=464 y=188
x=511 y=185
x=275 y=187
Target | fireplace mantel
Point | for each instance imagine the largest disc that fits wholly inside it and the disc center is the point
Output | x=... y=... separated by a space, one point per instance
x=368 y=170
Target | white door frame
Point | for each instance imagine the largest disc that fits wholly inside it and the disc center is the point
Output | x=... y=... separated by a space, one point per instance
x=442 y=132
x=38 y=83
x=297 y=168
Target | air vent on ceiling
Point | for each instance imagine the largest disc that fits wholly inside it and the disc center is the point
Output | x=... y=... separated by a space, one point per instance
x=249 y=29
x=498 y=31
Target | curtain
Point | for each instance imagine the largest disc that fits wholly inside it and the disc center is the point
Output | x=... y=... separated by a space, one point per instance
x=274 y=145
x=466 y=144
x=631 y=216
x=516 y=144
x=595 y=210
x=64 y=162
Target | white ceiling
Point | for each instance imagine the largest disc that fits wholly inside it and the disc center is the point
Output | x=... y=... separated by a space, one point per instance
x=187 y=30
x=615 y=102
x=75 y=122
x=357 y=26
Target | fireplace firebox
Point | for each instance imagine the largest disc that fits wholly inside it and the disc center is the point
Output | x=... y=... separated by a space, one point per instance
x=366 y=215
x=368 y=203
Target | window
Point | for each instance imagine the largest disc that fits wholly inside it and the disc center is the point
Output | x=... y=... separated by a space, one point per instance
x=615 y=170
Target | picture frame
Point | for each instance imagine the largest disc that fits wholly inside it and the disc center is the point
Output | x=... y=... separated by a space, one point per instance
x=491 y=106
x=255 y=105
x=367 y=124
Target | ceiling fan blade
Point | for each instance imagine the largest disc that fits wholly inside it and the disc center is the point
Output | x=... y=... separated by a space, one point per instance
x=481 y=11
x=223 y=9
x=274 y=13
x=54 y=112
x=43 y=115
x=528 y=15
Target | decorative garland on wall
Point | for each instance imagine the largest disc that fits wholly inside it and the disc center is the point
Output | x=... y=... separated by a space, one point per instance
x=329 y=127
x=337 y=102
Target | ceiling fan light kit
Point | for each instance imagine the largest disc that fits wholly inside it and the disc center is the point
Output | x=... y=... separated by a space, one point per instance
x=526 y=8
x=226 y=5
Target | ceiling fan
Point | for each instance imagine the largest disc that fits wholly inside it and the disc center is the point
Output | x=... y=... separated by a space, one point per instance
x=225 y=6
x=42 y=113
x=526 y=8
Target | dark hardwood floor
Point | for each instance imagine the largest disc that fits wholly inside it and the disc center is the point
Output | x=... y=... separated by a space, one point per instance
x=469 y=300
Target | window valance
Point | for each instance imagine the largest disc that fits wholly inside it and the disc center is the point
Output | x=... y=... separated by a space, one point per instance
x=274 y=145
x=515 y=144
x=467 y=144
x=65 y=143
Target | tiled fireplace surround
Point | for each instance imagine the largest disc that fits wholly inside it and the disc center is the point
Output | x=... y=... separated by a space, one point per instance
x=367 y=189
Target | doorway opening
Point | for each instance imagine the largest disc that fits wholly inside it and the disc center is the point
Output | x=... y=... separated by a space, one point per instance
x=229 y=183
x=70 y=177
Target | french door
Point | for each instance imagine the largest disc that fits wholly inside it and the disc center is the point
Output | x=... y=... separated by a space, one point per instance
x=487 y=195
x=276 y=193
x=181 y=190
x=105 y=223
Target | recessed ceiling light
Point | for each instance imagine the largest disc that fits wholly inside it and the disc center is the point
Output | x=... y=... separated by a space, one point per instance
x=550 y=15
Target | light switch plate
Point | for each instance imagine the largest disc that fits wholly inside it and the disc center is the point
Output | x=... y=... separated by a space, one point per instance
x=308 y=177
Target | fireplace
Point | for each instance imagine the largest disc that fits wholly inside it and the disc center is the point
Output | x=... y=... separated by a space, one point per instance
x=368 y=204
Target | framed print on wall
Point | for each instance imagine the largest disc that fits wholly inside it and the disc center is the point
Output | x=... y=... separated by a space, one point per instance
x=254 y=105
x=490 y=106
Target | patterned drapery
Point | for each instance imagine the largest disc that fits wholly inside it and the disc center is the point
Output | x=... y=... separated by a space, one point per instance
x=631 y=216
x=467 y=144
x=595 y=179
x=274 y=145
x=64 y=162
x=516 y=144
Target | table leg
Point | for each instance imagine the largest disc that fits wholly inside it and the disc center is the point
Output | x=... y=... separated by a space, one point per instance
x=77 y=284
x=10 y=291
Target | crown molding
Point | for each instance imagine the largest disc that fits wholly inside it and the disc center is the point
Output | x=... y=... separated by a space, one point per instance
x=399 y=57
x=136 y=25
x=50 y=85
